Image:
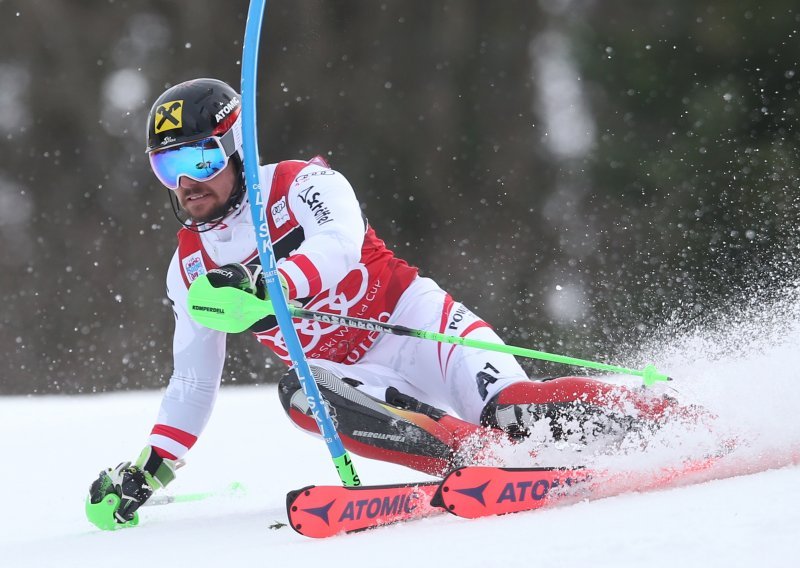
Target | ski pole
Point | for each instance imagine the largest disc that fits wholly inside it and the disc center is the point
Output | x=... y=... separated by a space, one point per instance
x=649 y=374
x=259 y=197
x=233 y=489
x=233 y=311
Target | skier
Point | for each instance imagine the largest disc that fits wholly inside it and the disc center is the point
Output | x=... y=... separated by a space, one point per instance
x=418 y=403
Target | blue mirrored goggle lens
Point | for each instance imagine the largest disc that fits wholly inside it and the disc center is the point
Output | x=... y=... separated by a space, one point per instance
x=201 y=161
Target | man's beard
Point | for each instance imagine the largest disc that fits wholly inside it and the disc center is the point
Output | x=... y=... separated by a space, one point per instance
x=214 y=215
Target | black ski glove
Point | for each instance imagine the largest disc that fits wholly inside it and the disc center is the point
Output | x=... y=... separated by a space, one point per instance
x=249 y=278
x=127 y=482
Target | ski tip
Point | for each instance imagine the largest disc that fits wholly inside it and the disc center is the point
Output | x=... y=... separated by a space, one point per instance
x=292 y=495
x=291 y=508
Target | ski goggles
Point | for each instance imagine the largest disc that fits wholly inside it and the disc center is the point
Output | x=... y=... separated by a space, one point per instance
x=201 y=160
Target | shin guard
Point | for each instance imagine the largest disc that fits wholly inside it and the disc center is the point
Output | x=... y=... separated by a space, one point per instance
x=400 y=429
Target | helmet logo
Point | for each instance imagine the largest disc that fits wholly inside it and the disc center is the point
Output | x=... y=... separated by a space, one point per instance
x=226 y=110
x=169 y=116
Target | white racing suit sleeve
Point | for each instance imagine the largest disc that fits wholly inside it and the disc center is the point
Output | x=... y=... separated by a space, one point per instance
x=324 y=204
x=198 y=356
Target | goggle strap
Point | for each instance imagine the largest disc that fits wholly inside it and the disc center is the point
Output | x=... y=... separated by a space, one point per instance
x=232 y=139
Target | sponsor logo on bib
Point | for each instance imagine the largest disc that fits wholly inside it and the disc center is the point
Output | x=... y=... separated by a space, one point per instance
x=193 y=266
x=280 y=212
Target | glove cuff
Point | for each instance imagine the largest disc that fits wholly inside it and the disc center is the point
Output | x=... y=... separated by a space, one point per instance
x=158 y=471
x=259 y=282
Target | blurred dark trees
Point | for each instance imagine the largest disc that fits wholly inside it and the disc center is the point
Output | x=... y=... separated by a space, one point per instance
x=577 y=171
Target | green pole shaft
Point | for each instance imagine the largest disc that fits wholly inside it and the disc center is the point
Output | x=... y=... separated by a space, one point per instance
x=233 y=489
x=246 y=309
x=649 y=373
x=183 y=498
x=524 y=352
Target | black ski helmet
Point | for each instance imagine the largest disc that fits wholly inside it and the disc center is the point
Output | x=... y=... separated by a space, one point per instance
x=193 y=110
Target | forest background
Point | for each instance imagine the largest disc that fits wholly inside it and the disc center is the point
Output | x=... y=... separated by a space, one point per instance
x=586 y=175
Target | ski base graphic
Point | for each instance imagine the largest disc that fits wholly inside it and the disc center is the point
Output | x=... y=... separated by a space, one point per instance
x=477 y=491
x=473 y=492
x=322 y=511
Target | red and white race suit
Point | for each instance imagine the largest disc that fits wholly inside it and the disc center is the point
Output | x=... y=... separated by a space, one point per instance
x=333 y=262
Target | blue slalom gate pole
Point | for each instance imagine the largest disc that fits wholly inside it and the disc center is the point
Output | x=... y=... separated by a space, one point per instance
x=258 y=197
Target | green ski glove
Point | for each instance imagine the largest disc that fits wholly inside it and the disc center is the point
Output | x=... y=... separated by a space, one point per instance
x=232 y=298
x=117 y=493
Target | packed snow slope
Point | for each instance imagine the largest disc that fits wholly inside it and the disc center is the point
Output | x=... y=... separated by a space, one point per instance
x=745 y=369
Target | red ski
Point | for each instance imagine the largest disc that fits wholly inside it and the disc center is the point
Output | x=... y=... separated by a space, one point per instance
x=322 y=511
x=473 y=492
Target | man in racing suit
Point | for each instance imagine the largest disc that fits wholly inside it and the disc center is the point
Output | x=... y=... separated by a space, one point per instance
x=422 y=404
